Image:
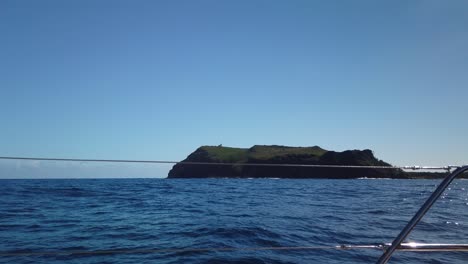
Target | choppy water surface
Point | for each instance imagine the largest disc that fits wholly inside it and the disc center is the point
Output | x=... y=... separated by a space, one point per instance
x=56 y=215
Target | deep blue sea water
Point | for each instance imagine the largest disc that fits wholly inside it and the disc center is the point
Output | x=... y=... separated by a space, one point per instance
x=103 y=214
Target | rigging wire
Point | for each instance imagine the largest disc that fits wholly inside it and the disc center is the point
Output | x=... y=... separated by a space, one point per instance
x=182 y=250
x=416 y=247
x=446 y=168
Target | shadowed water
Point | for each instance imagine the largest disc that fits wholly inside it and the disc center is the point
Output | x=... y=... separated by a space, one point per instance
x=56 y=215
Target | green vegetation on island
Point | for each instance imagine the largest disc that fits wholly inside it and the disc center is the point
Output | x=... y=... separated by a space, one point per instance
x=241 y=157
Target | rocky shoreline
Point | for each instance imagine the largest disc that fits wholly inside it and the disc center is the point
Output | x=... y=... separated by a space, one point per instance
x=274 y=154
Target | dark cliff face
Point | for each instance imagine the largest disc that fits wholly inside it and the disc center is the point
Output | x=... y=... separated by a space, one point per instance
x=280 y=155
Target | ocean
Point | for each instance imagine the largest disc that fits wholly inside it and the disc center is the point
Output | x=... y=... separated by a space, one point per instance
x=66 y=215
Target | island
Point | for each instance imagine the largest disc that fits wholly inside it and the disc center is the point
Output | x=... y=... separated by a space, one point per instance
x=241 y=163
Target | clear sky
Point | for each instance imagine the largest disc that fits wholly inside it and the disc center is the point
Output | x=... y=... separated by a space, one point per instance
x=156 y=79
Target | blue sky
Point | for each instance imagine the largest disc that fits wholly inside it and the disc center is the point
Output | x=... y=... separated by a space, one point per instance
x=157 y=79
